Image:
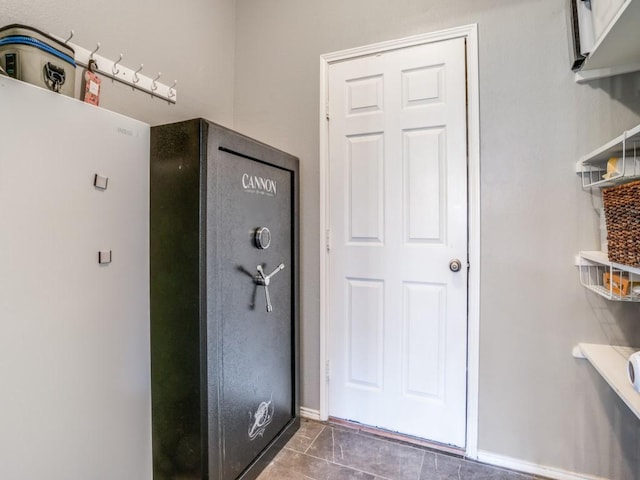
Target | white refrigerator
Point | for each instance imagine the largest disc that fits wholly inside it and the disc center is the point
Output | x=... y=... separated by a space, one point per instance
x=74 y=290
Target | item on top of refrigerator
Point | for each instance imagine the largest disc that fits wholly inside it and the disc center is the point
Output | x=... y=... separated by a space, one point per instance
x=91 y=85
x=32 y=56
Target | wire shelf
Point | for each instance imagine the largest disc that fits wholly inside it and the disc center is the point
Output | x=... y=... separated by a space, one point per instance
x=626 y=148
x=595 y=270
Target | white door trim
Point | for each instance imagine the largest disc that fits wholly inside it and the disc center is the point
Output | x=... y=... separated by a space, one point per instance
x=470 y=33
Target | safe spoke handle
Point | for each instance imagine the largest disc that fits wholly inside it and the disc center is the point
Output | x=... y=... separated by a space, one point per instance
x=265 y=280
x=268 y=299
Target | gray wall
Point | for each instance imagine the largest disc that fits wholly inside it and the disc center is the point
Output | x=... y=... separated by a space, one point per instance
x=537 y=403
x=191 y=41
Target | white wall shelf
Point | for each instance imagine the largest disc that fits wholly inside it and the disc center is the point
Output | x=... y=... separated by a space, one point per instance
x=593 y=265
x=626 y=147
x=616 y=50
x=611 y=363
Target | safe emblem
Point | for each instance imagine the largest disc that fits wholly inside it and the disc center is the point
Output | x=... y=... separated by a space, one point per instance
x=259 y=185
x=259 y=420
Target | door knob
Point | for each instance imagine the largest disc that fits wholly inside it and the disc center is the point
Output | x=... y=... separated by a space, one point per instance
x=455 y=265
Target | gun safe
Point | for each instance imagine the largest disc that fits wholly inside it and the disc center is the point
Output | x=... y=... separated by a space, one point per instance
x=224 y=301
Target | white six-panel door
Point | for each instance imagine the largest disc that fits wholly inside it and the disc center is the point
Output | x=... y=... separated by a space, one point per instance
x=398 y=216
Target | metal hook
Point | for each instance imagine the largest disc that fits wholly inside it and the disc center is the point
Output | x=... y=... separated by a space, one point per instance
x=71 y=34
x=95 y=51
x=154 y=86
x=115 y=68
x=172 y=92
x=136 y=79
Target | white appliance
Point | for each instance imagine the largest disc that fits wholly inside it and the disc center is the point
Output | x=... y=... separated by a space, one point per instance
x=75 y=398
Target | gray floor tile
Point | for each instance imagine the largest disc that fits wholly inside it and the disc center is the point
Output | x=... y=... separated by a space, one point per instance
x=306 y=434
x=277 y=472
x=327 y=452
x=444 y=467
x=291 y=465
x=383 y=458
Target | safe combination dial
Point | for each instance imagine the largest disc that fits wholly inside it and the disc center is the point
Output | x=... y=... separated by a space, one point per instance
x=262 y=238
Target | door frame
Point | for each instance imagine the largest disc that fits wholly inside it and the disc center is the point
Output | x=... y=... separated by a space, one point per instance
x=470 y=34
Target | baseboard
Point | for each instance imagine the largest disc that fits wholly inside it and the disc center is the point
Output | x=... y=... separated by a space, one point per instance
x=310 y=413
x=531 y=468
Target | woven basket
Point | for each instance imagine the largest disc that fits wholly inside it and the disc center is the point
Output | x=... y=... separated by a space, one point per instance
x=622 y=214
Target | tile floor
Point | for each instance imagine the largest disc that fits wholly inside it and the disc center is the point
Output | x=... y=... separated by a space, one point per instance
x=321 y=451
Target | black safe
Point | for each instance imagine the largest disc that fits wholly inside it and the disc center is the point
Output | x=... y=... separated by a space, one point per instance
x=224 y=302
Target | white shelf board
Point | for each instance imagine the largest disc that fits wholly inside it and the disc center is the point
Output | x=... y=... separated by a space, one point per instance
x=617 y=50
x=611 y=363
x=606 y=293
x=628 y=141
x=610 y=149
x=596 y=256
x=610 y=182
x=603 y=259
x=625 y=146
x=633 y=135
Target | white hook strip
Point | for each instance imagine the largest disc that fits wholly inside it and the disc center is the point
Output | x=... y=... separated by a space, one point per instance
x=116 y=71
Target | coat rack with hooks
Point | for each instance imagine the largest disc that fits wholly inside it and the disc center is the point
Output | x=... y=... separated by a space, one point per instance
x=114 y=70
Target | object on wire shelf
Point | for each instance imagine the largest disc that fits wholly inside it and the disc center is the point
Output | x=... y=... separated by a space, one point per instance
x=612 y=168
x=619 y=284
x=621 y=207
